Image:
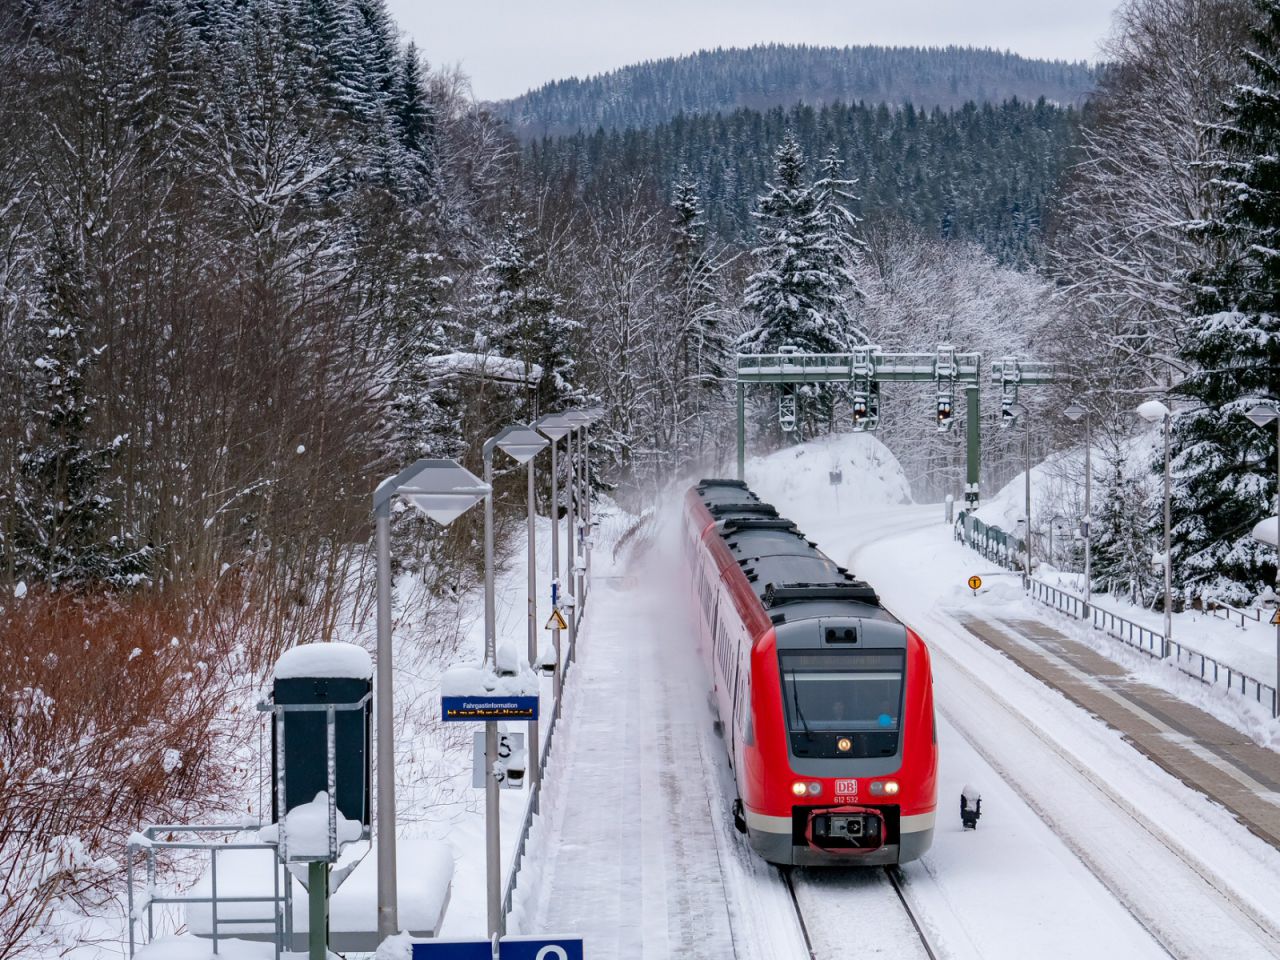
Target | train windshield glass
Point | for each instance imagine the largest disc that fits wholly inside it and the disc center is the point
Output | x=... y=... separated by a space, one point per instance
x=850 y=691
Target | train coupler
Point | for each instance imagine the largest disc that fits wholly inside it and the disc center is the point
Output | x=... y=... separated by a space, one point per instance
x=846 y=829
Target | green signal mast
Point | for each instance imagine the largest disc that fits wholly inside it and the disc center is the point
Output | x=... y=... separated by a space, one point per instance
x=864 y=369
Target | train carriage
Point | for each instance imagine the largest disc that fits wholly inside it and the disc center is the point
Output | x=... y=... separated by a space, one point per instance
x=825 y=700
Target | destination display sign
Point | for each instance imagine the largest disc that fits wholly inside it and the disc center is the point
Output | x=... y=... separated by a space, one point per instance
x=489 y=708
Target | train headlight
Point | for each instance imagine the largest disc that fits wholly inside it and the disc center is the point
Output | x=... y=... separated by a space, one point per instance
x=882 y=788
x=891 y=787
x=800 y=788
x=844 y=744
x=815 y=788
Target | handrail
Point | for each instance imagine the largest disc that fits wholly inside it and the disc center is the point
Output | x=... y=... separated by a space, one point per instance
x=143 y=845
x=993 y=543
x=1212 y=605
x=1188 y=660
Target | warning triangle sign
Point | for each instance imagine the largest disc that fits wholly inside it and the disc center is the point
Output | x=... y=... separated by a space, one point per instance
x=556 y=621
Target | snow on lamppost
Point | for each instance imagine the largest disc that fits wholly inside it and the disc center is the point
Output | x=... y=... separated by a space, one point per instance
x=1153 y=411
x=443 y=490
x=1268 y=531
x=1076 y=412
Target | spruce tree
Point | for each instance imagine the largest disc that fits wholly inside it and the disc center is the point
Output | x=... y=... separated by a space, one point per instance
x=516 y=315
x=1122 y=538
x=1225 y=466
x=63 y=516
x=797 y=294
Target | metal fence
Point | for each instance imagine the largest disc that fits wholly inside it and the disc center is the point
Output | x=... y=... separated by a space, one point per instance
x=993 y=543
x=533 y=807
x=1188 y=660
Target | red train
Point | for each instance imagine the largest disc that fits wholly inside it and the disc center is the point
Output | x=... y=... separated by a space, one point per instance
x=825 y=699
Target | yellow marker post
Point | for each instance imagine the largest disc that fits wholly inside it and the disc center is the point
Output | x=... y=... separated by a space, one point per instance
x=974 y=583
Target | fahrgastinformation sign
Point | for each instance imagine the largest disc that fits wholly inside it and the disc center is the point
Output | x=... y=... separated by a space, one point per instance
x=489 y=708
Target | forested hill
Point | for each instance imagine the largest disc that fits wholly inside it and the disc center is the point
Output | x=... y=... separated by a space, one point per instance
x=981 y=173
x=654 y=92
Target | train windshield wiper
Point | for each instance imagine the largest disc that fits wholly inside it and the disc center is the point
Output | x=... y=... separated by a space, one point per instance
x=795 y=697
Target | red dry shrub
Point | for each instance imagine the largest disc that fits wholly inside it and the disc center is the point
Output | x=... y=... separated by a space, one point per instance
x=113 y=705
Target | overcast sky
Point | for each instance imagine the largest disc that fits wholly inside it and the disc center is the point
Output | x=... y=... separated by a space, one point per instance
x=509 y=46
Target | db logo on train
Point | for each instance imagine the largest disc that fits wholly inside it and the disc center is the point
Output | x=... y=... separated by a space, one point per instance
x=846 y=791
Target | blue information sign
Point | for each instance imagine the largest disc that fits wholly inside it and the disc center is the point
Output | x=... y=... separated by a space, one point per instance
x=490 y=708
x=453 y=950
x=510 y=948
x=541 y=948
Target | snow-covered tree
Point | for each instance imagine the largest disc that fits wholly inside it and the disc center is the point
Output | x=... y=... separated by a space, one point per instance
x=1225 y=466
x=1122 y=536
x=65 y=534
x=696 y=312
x=515 y=314
x=797 y=295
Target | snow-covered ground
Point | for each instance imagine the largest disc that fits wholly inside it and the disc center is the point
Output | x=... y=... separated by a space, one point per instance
x=1056 y=491
x=1120 y=846
x=1085 y=848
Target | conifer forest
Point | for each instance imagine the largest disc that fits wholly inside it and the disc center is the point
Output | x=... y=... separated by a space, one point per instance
x=252 y=252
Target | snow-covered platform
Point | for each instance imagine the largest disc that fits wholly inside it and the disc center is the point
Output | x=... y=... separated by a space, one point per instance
x=1200 y=750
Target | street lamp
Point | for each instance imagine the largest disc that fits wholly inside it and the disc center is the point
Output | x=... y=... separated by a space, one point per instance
x=443 y=490
x=554 y=428
x=521 y=444
x=580 y=499
x=1262 y=415
x=1018 y=410
x=1075 y=412
x=1153 y=411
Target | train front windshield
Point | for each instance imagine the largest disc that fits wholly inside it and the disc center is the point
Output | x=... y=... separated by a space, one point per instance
x=851 y=697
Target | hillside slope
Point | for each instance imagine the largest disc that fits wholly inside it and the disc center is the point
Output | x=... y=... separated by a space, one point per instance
x=646 y=94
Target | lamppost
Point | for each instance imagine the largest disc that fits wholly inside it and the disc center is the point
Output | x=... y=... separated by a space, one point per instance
x=521 y=444
x=579 y=421
x=553 y=427
x=1074 y=412
x=1020 y=411
x=1153 y=411
x=1262 y=415
x=443 y=490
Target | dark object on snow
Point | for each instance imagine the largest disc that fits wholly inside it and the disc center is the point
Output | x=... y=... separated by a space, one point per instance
x=970 y=808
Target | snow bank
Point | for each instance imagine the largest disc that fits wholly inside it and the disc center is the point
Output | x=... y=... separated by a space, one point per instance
x=306 y=830
x=477 y=680
x=325 y=660
x=870 y=474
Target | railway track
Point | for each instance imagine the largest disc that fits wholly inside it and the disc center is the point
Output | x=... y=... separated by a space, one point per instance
x=826 y=925
x=1172 y=941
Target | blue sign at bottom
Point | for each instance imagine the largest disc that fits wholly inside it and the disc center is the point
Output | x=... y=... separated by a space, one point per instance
x=509 y=948
x=541 y=948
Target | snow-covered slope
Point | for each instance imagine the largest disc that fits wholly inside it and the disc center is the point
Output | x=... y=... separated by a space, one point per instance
x=870 y=474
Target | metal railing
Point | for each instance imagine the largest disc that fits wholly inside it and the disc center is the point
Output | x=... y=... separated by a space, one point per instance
x=533 y=807
x=993 y=543
x=1188 y=660
x=279 y=902
x=1225 y=611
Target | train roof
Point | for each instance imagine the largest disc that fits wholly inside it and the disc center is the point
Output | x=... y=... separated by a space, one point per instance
x=793 y=579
